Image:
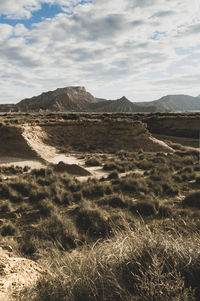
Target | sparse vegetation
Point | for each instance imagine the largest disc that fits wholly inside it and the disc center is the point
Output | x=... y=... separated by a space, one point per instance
x=131 y=235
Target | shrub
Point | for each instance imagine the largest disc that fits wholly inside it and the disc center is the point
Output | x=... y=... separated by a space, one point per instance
x=93 y=162
x=93 y=190
x=131 y=185
x=113 y=175
x=192 y=200
x=197 y=180
x=109 y=166
x=77 y=196
x=60 y=231
x=8 y=230
x=46 y=207
x=5 y=207
x=114 y=201
x=164 y=211
x=92 y=222
x=145 y=208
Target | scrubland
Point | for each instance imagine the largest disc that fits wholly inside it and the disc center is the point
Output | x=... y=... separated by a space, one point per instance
x=132 y=235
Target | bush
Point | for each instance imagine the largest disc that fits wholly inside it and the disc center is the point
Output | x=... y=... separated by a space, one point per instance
x=8 y=230
x=60 y=231
x=114 y=201
x=192 y=200
x=5 y=207
x=113 y=175
x=164 y=211
x=92 y=222
x=131 y=185
x=93 y=162
x=46 y=207
x=197 y=180
x=145 y=208
x=93 y=190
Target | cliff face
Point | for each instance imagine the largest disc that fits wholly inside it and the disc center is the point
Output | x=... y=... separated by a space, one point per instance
x=175 y=125
x=8 y=108
x=105 y=136
x=13 y=145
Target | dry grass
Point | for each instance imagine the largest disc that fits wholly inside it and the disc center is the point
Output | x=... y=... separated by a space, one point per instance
x=120 y=238
x=123 y=268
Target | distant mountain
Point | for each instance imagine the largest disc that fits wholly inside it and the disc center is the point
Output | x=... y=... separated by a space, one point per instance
x=77 y=99
x=120 y=105
x=174 y=103
x=62 y=99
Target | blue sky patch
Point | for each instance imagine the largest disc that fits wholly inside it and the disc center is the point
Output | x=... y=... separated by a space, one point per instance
x=46 y=11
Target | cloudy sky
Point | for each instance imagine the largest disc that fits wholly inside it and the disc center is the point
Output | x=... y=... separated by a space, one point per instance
x=143 y=49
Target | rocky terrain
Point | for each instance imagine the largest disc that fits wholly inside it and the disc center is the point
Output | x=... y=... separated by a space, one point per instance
x=17 y=273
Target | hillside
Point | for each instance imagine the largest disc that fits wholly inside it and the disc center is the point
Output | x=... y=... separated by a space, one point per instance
x=77 y=99
x=120 y=105
x=174 y=103
x=62 y=99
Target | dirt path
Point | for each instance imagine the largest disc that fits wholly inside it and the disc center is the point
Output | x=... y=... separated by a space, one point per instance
x=34 y=135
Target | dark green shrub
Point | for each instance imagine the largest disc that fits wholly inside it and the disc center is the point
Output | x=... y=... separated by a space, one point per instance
x=114 y=201
x=192 y=200
x=131 y=185
x=77 y=196
x=164 y=211
x=93 y=190
x=5 y=207
x=8 y=230
x=46 y=207
x=198 y=180
x=169 y=190
x=144 y=208
x=92 y=222
x=60 y=231
x=93 y=162
x=113 y=175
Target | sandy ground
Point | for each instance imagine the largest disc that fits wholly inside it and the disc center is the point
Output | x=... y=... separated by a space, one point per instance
x=16 y=273
x=21 y=162
x=35 y=137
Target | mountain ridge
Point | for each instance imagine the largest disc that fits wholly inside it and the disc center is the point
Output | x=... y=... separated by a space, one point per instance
x=77 y=99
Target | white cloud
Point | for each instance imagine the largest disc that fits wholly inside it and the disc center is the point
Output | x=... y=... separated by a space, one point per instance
x=118 y=47
x=6 y=31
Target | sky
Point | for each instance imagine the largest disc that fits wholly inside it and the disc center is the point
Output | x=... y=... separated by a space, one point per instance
x=141 y=49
